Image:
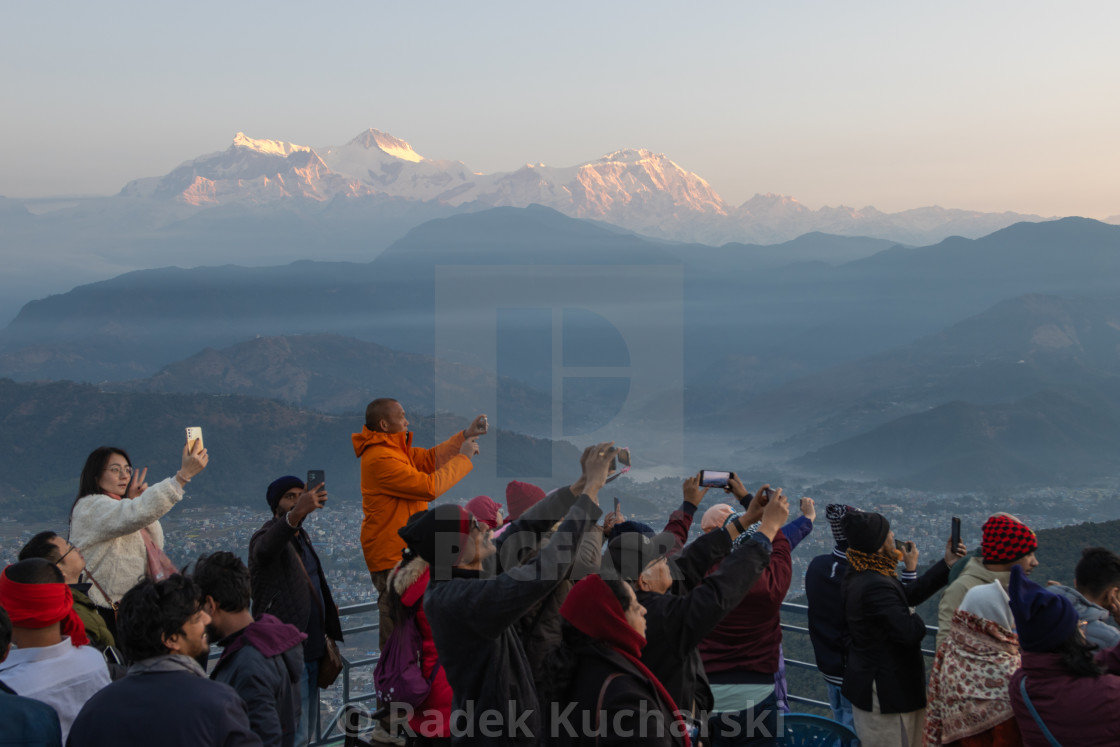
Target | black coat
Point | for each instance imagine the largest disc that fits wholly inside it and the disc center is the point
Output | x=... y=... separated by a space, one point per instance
x=280 y=584
x=473 y=617
x=628 y=694
x=828 y=626
x=676 y=623
x=169 y=709
x=886 y=638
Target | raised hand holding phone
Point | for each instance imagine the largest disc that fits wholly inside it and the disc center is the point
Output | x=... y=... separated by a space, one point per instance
x=195 y=459
x=693 y=493
x=311 y=499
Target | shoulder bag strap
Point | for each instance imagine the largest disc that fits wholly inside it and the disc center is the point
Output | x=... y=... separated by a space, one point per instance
x=115 y=605
x=1037 y=719
x=599 y=704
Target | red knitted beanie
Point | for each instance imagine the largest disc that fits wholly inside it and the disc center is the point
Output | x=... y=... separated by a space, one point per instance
x=1005 y=540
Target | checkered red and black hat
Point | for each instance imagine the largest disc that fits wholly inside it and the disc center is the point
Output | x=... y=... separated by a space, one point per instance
x=1005 y=540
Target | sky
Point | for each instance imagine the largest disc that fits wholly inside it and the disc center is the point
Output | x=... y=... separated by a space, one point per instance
x=987 y=106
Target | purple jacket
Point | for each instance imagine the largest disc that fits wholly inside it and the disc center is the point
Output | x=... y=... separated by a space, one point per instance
x=1077 y=710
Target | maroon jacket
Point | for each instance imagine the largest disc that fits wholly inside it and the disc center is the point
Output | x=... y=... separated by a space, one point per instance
x=1077 y=710
x=744 y=646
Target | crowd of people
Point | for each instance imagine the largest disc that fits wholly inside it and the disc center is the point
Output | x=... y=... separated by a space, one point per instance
x=547 y=620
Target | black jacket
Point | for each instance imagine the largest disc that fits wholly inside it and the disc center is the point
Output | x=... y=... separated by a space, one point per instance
x=886 y=638
x=676 y=623
x=628 y=694
x=828 y=626
x=473 y=618
x=280 y=584
x=167 y=703
x=263 y=663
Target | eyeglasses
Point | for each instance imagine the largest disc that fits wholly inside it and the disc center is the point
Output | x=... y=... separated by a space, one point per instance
x=475 y=526
x=118 y=470
x=63 y=556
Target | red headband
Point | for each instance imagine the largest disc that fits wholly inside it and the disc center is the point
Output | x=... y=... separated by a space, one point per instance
x=39 y=605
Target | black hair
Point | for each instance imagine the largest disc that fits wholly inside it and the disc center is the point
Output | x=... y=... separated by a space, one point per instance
x=1077 y=656
x=376 y=411
x=5 y=632
x=223 y=576
x=40 y=546
x=150 y=611
x=1097 y=571
x=90 y=481
x=620 y=590
x=34 y=571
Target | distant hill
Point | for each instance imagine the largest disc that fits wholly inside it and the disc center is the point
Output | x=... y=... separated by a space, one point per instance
x=1016 y=348
x=335 y=374
x=1059 y=550
x=47 y=430
x=1044 y=439
x=811 y=313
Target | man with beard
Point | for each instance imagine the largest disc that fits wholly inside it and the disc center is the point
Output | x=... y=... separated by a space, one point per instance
x=261 y=659
x=166 y=698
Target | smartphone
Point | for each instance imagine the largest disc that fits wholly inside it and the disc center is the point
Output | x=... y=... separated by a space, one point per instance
x=621 y=458
x=617 y=506
x=315 y=478
x=712 y=478
x=955 y=534
x=485 y=424
x=194 y=433
x=901 y=546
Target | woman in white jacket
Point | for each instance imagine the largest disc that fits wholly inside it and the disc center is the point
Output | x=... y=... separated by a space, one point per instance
x=107 y=525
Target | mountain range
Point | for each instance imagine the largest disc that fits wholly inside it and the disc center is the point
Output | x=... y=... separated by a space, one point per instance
x=991 y=360
x=263 y=202
x=634 y=188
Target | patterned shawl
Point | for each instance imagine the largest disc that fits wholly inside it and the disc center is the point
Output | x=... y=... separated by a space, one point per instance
x=968 y=683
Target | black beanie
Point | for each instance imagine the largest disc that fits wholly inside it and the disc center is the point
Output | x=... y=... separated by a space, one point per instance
x=438 y=536
x=866 y=532
x=280 y=486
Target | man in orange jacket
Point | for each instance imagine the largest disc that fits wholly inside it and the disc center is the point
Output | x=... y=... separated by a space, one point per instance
x=398 y=480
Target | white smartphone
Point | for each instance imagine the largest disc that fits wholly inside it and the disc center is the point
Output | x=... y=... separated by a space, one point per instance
x=194 y=433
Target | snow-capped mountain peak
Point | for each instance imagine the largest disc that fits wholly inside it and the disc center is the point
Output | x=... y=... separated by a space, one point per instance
x=631 y=155
x=388 y=144
x=638 y=189
x=268 y=147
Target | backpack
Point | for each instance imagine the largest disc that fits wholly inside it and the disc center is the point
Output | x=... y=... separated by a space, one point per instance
x=398 y=677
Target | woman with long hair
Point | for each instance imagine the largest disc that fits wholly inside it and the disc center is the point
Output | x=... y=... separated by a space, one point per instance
x=115 y=521
x=1063 y=694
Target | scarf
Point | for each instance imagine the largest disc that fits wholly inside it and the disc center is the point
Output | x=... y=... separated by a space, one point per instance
x=39 y=605
x=593 y=608
x=968 y=683
x=873 y=561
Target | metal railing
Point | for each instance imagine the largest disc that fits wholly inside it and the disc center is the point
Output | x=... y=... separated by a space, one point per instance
x=325 y=733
